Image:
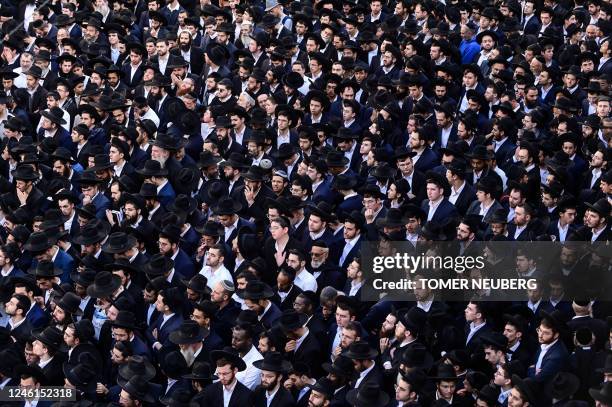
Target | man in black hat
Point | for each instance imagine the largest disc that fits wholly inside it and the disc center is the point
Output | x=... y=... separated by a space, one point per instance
x=228 y=391
x=596 y=226
x=271 y=390
x=46 y=345
x=364 y=362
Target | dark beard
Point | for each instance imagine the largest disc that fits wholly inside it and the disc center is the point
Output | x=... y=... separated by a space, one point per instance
x=185 y=47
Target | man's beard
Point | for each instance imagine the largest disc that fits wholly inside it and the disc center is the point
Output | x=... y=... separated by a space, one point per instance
x=185 y=47
x=189 y=355
x=104 y=9
x=129 y=220
x=316 y=263
x=271 y=385
x=245 y=39
x=161 y=160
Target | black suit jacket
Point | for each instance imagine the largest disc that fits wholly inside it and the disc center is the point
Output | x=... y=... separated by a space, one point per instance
x=374 y=376
x=213 y=396
x=282 y=398
x=309 y=353
x=53 y=372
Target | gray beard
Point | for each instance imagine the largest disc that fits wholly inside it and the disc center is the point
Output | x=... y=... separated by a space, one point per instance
x=189 y=356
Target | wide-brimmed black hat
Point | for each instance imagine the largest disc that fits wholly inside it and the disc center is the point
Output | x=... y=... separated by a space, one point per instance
x=257 y=290
x=167 y=142
x=249 y=245
x=158 y=265
x=88 y=177
x=392 y=219
x=496 y=339
x=82 y=375
x=51 y=336
x=188 y=332
x=344 y=182
x=55 y=115
x=417 y=356
x=208 y=159
x=45 y=269
x=285 y=151
x=403 y=152
x=361 y=350
x=125 y=319
x=527 y=387
x=197 y=283
x=273 y=362
x=104 y=285
x=291 y=320
x=342 y=366
x=489 y=394
x=25 y=173
x=323 y=210
x=480 y=152
x=210 y=228
x=93 y=232
x=564 y=385
x=254 y=173
x=138 y=389
x=336 y=159
x=602 y=207
x=152 y=168
x=603 y=394
x=137 y=366
x=413 y=319
x=445 y=372
x=369 y=395
x=38 y=242
x=200 y=371
x=229 y=354
x=70 y=303
x=227 y=206
x=119 y=242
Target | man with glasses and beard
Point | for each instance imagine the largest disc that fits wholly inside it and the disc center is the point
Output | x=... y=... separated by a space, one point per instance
x=325 y=272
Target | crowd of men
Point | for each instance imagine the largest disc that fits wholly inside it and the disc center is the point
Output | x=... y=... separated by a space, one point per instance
x=186 y=188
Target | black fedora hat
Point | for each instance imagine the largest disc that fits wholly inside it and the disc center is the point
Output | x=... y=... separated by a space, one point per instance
x=51 y=336
x=403 y=152
x=38 y=242
x=93 y=232
x=336 y=159
x=254 y=173
x=227 y=206
x=167 y=142
x=257 y=290
x=82 y=375
x=152 y=168
x=138 y=388
x=70 y=303
x=489 y=394
x=369 y=395
x=342 y=366
x=55 y=115
x=249 y=245
x=229 y=354
x=285 y=151
x=361 y=350
x=125 y=319
x=323 y=210
x=210 y=228
x=392 y=219
x=601 y=207
x=158 y=265
x=480 y=152
x=197 y=283
x=527 y=387
x=417 y=356
x=273 y=362
x=413 y=319
x=344 y=182
x=200 y=371
x=45 y=269
x=445 y=372
x=208 y=159
x=323 y=386
x=25 y=173
x=104 y=285
x=603 y=394
x=88 y=177
x=564 y=385
x=137 y=366
x=119 y=242
x=291 y=320
x=188 y=332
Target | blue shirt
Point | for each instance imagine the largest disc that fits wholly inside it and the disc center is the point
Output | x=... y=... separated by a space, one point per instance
x=469 y=50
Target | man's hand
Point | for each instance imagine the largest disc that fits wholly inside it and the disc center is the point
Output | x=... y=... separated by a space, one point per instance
x=86 y=199
x=290 y=346
x=249 y=195
x=369 y=215
x=101 y=389
x=384 y=344
x=22 y=196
